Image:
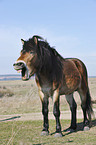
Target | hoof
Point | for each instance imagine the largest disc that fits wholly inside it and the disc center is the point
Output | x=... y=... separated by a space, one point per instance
x=44 y=133
x=58 y=135
x=86 y=128
x=69 y=130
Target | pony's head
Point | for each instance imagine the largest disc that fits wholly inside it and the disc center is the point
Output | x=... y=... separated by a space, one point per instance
x=28 y=62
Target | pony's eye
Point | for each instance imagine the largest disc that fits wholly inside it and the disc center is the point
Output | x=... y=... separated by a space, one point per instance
x=31 y=52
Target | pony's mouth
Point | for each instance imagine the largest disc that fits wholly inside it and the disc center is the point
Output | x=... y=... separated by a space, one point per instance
x=21 y=67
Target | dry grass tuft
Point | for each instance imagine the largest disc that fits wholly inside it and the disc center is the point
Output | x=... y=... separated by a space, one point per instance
x=4 y=92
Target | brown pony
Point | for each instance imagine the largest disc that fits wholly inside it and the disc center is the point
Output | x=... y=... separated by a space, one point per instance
x=55 y=76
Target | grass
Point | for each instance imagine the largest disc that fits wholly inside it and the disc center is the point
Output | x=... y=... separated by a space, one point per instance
x=5 y=92
x=25 y=99
x=28 y=133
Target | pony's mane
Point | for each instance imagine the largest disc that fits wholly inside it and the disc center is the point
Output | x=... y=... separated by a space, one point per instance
x=51 y=60
x=46 y=45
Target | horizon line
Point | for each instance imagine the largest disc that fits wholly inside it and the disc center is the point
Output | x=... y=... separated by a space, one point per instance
x=20 y=75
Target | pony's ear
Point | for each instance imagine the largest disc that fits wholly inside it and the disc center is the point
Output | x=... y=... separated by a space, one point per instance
x=22 y=41
x=36 y=40
x=36 y=37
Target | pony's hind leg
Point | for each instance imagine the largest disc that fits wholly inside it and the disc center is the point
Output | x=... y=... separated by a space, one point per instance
x=86 y=107
x=73 y=107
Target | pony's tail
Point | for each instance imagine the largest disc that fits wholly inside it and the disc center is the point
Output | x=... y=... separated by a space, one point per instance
x=89 y=105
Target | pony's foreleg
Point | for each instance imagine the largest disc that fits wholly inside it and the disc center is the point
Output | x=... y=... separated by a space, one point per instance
x=56 y=113
x=73 y=107
x=45 y=116
x=45 y=102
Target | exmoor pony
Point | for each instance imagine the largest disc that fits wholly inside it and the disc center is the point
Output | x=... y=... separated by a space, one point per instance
x=55 y=76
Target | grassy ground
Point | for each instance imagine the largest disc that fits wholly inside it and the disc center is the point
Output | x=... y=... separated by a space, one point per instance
x=18 y=97
x=28 y=133
x=25 y=98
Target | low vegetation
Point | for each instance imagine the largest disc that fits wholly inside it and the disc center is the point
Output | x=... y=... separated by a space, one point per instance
x=28 y=133
x=4 y=92
x=18 y=97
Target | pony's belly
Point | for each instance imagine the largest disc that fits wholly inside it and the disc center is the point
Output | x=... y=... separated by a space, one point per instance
x=70 y=85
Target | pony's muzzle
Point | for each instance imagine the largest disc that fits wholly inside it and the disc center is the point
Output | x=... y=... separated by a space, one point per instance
x=20 y=66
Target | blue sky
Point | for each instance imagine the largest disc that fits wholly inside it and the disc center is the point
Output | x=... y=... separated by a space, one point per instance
x=69 y=25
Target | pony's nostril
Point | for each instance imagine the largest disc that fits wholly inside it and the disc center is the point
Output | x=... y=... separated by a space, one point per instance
x=14 y=64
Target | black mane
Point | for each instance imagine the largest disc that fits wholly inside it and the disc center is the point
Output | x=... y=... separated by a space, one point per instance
x=50 y=61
